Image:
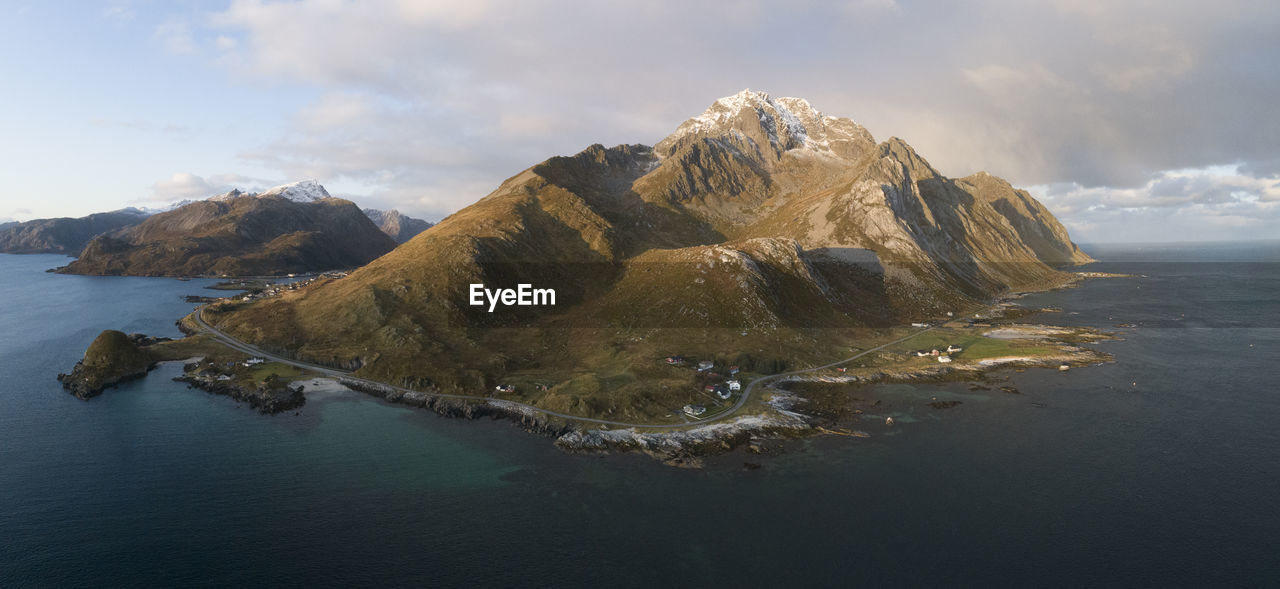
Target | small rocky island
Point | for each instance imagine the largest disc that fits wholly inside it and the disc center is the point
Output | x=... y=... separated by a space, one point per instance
x=115 y=357
x=112 y=358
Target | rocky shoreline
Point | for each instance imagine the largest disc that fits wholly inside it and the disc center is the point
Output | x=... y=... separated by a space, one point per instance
x=114 y=358
x=84 y=387
x=267 y=401
x=685 y=448
x=678 y=447
x=786 y=415
x=464 y=408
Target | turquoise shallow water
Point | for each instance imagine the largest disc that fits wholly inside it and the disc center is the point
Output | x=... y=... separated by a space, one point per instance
x=1085 y=478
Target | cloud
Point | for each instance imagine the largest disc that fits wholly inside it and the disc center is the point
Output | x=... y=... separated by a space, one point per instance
x=1214 y=203
x=119 y=10
x=185 y=185
x=441 y=97
x=13 y=215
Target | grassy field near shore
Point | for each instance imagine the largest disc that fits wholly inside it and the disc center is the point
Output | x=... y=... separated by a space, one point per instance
x=974 y=345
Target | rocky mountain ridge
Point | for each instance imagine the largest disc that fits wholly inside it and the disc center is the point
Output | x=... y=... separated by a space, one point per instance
x=760 y=213
x=397 y=225
x=64 y=235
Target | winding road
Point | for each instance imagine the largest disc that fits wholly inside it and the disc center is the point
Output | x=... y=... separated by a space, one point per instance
x=238 y=345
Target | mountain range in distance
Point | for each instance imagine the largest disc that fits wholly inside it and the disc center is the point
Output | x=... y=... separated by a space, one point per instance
x=759 y=217
x=64 y=235
x=291 y=228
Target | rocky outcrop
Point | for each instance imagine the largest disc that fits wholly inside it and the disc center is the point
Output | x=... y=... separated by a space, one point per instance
x=686 y=447
x=112 y=358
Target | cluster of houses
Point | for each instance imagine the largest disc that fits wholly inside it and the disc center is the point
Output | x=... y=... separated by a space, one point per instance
x=722 y=390
x=276 y=289
x=943 y=356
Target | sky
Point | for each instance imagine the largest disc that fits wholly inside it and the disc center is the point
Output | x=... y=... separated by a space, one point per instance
x=1131 y=121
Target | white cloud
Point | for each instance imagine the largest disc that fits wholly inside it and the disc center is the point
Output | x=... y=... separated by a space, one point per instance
x=1212 y=203
x=185 y=185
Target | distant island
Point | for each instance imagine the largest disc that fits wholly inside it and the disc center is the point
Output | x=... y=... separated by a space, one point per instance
x=272 y=233
x=294 y=228
x=64 y=235
x=763 y=242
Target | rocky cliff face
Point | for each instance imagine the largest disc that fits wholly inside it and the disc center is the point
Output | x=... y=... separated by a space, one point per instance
x=239 y=234
x=64 y=235
x=396 y=225
x=760 y=212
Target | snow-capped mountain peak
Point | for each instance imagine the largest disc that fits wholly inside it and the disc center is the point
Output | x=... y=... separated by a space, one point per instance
x=786 y=123
x=303 y=191
x=226 y=196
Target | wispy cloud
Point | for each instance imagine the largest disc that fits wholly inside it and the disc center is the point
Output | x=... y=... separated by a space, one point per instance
x=176 y=35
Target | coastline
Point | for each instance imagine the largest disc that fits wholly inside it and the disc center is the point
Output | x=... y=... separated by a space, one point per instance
x=778 y=413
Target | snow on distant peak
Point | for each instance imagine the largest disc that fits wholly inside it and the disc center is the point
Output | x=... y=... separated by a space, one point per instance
x=304 y=191
x=145 y=211
x=226 y=196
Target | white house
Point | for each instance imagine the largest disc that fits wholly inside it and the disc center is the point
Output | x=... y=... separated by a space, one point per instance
x=944 y=359
x=953 y=349
x=694 y=410
x=735 y=385
x=705 y=365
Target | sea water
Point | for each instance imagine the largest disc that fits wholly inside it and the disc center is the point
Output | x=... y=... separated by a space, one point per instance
x=1159 y=468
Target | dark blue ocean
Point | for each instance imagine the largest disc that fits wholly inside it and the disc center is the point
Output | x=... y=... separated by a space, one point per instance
x=1161 y=469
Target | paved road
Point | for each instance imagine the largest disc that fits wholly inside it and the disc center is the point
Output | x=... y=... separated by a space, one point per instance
x=742 y=399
